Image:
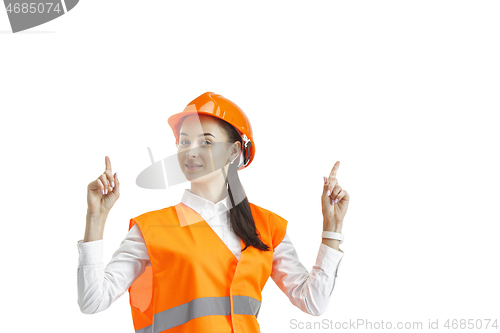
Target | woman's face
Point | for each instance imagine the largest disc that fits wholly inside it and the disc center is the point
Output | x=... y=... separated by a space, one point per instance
x=203 y=148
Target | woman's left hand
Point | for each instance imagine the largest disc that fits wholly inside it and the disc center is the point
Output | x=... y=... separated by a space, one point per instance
x=333 y=212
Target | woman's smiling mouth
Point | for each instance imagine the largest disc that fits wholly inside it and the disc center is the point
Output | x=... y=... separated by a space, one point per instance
x=192 y=167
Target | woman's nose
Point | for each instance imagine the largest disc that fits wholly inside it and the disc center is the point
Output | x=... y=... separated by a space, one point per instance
x=193 y=152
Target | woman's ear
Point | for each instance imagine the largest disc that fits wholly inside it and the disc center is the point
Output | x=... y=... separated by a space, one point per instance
x=235 y=150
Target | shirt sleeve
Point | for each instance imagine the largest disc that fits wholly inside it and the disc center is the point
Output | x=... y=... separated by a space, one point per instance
x=309 y=291
x=98 y=287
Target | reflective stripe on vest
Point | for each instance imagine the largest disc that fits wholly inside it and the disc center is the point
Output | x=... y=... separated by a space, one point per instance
x=206 y=306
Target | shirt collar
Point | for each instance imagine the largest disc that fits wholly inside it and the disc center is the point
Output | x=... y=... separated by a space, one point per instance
x=206 y=208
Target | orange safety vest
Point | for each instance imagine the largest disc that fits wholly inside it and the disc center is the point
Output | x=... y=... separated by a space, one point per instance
x=195 y=283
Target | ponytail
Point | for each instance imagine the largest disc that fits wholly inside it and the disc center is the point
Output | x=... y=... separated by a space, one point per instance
x=240 y=214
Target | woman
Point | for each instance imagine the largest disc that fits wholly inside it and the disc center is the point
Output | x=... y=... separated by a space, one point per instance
x=200 y=266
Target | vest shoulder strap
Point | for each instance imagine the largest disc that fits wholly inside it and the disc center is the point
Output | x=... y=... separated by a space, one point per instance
x=164 y=215
x=276 y=223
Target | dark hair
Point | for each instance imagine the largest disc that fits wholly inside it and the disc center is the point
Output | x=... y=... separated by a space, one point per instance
x=240 y=215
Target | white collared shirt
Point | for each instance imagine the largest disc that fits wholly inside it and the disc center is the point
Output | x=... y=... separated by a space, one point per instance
x=99 y=286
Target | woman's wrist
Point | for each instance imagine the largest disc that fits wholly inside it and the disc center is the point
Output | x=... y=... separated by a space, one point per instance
x=94 y=229
x=335 y=227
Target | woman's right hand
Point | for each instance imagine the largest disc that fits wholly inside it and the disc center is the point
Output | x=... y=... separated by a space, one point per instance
x=99 y=203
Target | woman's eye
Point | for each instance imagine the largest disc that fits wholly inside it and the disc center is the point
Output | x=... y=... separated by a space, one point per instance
x=204 y=142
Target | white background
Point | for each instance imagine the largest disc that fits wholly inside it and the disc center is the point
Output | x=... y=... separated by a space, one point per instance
x=404 y=94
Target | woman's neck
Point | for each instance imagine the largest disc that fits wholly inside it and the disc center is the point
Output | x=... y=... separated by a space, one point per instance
x=209 y=193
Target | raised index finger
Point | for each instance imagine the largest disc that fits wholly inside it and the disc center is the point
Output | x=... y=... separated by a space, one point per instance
x=108 y=165
x=334 y=170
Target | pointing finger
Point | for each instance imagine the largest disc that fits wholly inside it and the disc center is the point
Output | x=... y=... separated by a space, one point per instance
x=333 y=174
x=108 y=165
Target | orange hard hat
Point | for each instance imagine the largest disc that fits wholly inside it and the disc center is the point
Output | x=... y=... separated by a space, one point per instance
x=220 y=107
